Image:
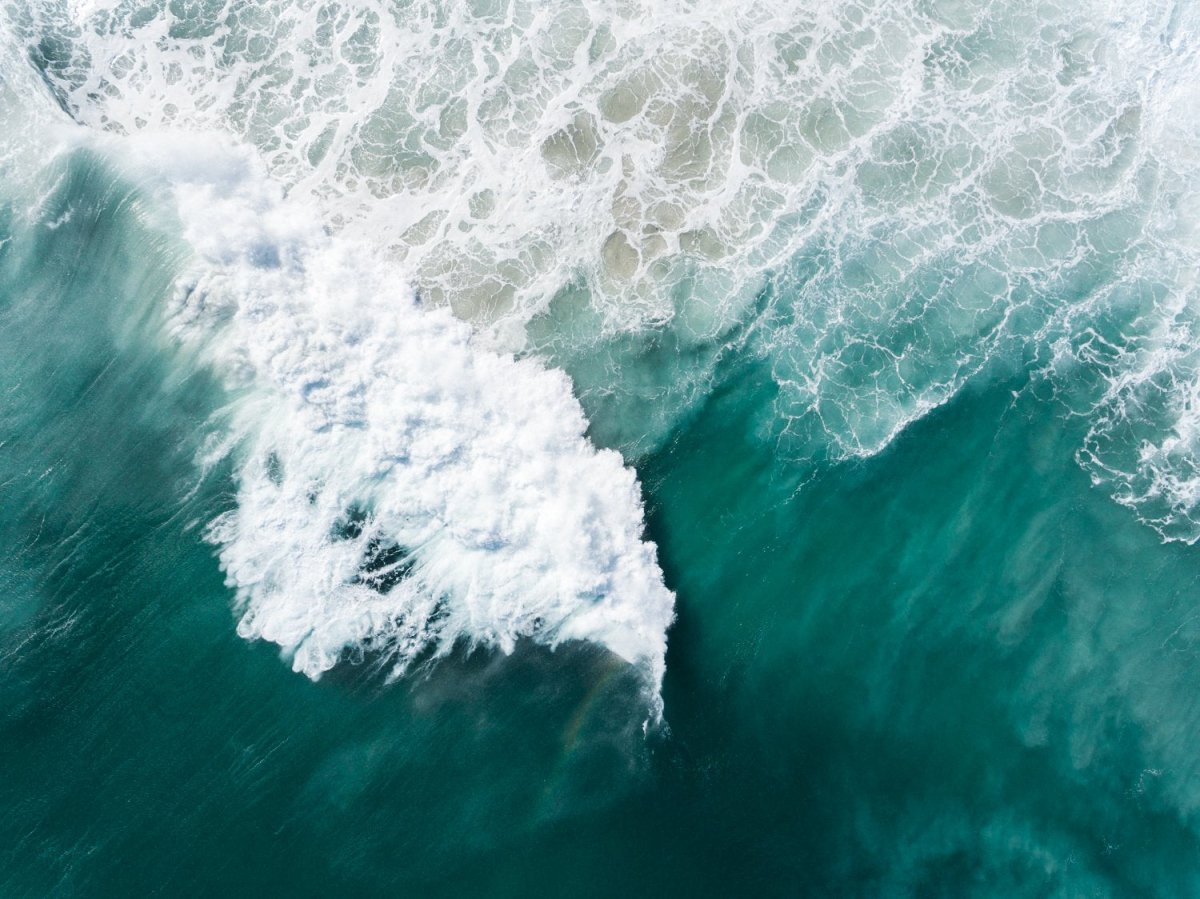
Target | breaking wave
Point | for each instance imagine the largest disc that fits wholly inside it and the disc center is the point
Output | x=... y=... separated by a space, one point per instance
x=401 y=489
x=882 y=200
x=919 y=190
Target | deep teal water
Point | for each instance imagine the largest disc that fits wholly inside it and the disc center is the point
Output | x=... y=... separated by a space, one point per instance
x=952 y=668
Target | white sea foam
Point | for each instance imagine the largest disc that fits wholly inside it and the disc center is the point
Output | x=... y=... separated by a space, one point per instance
x=400 y=489
x=927 y=188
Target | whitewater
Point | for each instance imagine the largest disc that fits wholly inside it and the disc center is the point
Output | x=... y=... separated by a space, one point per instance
x=585 y=447
x=401 y=489
x=386 y=203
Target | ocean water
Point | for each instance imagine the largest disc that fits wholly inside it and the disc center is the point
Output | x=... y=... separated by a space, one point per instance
x=599 y=448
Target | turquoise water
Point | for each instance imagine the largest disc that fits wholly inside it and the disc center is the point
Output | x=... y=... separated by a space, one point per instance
x=308 y=587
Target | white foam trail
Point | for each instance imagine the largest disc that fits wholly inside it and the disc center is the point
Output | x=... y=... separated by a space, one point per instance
x=400 y=489
x=1143 y=441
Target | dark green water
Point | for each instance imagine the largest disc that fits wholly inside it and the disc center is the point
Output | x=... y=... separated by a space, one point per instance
x=891 y=306
x=953 y=668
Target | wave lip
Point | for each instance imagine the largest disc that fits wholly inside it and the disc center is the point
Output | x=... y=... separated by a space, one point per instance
x=400 y=489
